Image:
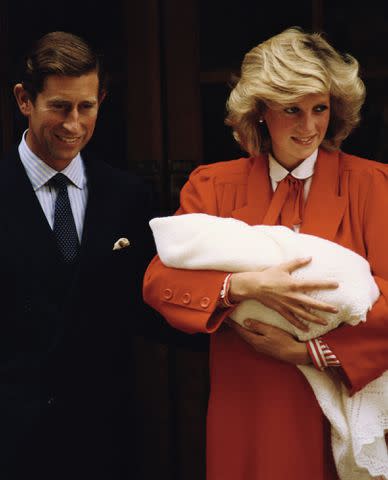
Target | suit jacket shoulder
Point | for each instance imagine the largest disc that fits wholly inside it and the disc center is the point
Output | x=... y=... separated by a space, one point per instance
x=100 y=172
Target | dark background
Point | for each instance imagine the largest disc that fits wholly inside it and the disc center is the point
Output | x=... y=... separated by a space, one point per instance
x=171 y=64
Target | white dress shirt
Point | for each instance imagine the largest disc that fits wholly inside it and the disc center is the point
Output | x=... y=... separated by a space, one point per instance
x=40 y=174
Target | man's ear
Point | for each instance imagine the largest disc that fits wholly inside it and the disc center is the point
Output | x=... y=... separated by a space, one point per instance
x=23 y=99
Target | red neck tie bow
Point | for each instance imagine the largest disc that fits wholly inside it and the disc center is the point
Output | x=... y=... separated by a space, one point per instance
x=287 y=204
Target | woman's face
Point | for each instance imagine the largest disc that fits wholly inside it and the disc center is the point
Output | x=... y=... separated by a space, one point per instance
x=297 y=130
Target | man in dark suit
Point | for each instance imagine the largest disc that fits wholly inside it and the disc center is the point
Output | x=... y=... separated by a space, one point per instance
x=69 y=299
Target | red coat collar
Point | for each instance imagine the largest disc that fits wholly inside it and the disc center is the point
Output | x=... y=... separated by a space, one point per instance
x=324 y=207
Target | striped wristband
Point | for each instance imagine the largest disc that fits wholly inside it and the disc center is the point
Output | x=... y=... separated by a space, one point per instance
x=321 y=355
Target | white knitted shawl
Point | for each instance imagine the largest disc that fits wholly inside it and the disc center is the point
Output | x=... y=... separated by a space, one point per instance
x=200 y=241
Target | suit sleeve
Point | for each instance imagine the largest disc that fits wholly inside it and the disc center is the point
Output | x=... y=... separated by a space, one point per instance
x=187 y=299
x=363 y=349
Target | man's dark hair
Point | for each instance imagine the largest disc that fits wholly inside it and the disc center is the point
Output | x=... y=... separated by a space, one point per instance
x=60 y=53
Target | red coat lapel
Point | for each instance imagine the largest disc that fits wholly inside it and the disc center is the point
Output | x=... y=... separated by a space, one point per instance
x=259 y=193
x=324 y=207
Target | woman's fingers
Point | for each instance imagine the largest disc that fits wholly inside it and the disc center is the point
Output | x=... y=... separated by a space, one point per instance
x=295 y=312
x=295 y=264
x=273 y=341
x=277 y=289
x=306 y=315
x=308 y=302
x=287 y=312
x=294 y=320
x=316 y=285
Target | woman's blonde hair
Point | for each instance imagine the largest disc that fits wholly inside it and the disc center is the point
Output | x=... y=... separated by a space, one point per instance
x=283 y=69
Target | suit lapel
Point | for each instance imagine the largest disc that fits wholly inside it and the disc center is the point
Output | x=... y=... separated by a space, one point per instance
x=30 y=234
x=96 y=233
x=324 y=207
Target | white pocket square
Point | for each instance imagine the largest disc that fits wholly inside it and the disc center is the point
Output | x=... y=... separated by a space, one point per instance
x=121 y=243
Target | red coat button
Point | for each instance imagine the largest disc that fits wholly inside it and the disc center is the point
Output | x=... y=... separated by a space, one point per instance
x=167 y=293
x=186 y=298
x=205 y=302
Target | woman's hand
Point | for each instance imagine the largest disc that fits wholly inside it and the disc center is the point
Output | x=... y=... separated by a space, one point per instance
x=272 y=341
x=275 y=288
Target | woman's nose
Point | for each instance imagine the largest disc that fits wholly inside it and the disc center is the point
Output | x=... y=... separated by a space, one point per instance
x=306 y=123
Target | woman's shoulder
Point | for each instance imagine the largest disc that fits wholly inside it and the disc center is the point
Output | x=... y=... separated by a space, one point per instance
x=225 y=170
x=360 y=165
x=364 y=176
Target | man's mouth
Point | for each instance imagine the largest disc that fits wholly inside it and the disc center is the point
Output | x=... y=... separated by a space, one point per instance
x=68 y=140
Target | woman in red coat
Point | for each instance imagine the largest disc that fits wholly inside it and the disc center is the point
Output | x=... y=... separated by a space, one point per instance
x=296 y=101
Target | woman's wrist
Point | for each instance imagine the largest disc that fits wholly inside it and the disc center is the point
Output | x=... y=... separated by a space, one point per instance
x=302 y=355
x=235 y=288
x=239 y=287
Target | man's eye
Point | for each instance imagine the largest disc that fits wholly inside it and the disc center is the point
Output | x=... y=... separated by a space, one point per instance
x=88 y=106
x=58 y=106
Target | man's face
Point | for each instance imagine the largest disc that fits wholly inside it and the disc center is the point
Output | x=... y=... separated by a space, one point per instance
x=61 y=121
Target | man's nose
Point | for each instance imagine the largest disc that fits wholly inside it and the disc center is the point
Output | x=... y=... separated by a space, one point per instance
x=71 y=122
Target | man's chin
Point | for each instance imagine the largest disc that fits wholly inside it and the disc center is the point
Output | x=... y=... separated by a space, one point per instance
x=60 y=159
x=68 y=157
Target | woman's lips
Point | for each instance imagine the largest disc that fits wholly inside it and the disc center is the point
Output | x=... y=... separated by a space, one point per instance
x=308 y=140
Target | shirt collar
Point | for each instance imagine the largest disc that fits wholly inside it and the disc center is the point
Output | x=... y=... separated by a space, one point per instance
x=40 y=173
x=304 y=170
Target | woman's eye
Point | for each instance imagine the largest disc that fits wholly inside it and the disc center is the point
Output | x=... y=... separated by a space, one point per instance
x=291 y=110
x=321 y=108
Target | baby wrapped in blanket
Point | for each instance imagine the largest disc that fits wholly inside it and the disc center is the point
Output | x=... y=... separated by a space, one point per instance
x=201 y=241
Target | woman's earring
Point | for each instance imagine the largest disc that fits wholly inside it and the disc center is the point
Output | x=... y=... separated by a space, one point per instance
x=261 y=120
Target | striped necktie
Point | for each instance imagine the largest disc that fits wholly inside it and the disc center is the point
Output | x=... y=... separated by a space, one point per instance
x=64 y=226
